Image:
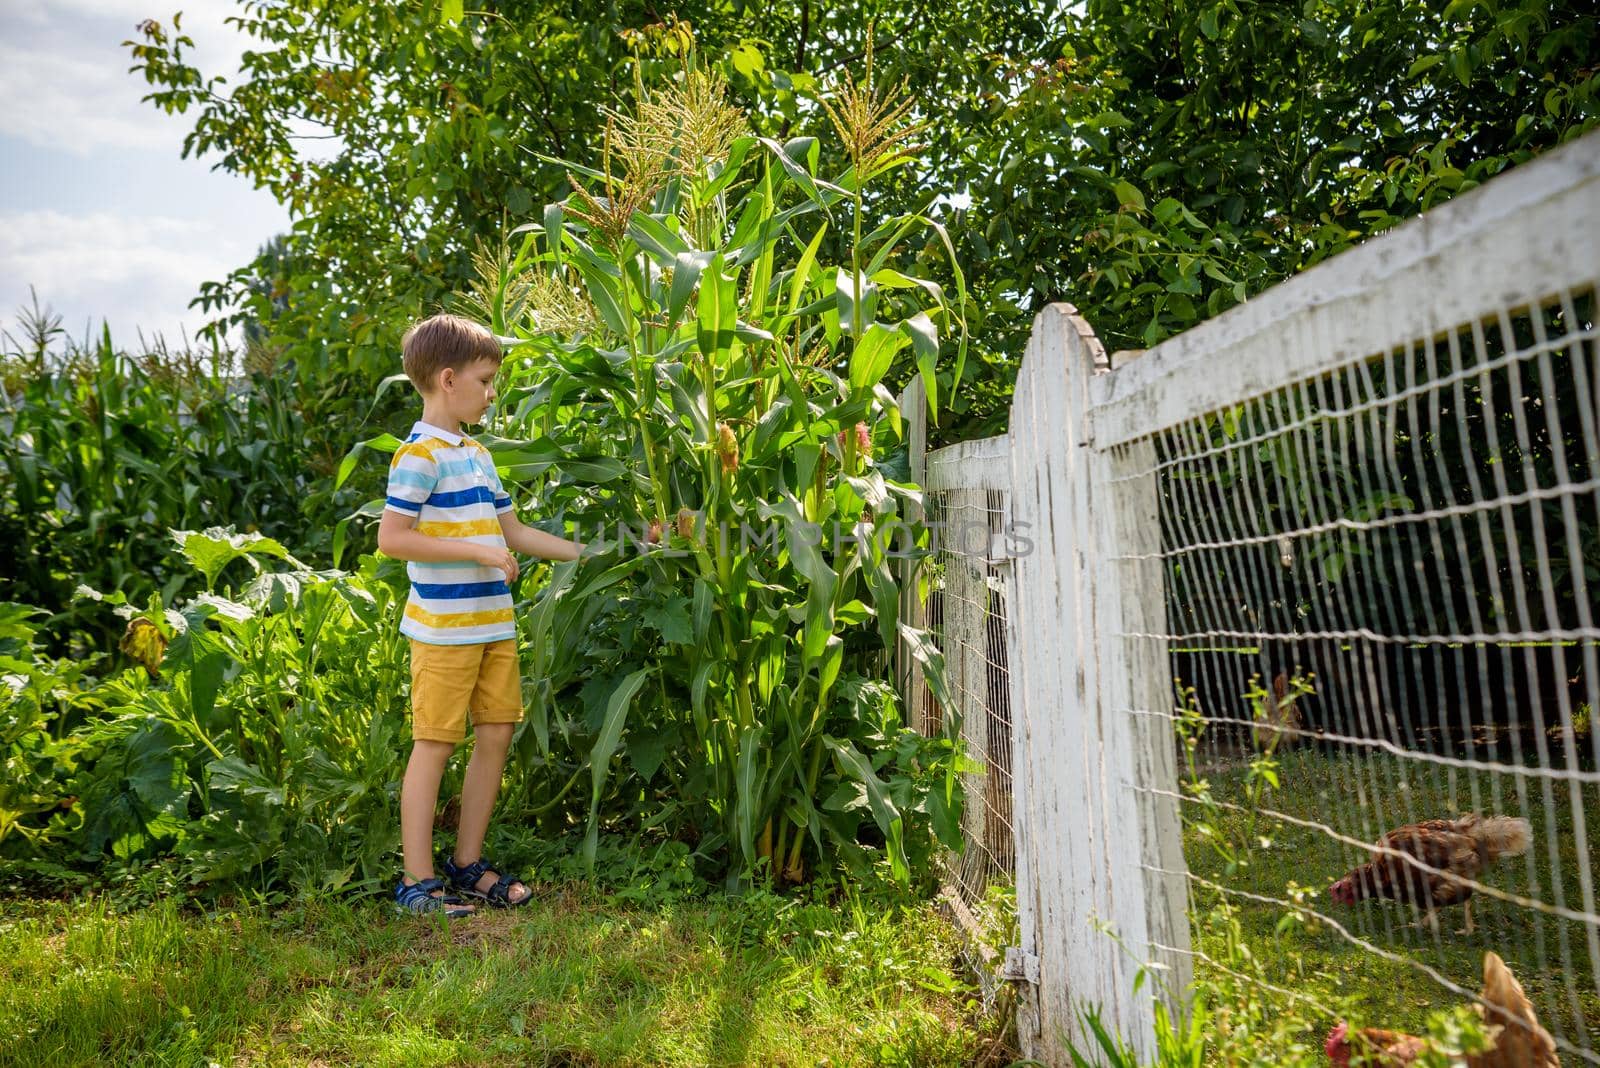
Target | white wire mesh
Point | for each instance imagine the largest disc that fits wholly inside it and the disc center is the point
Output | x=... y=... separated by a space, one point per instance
x=1382 y=580
x=966 y=613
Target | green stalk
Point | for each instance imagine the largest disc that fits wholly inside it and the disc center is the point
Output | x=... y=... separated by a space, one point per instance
x=855 y=247
x=540 y=810
x=640 y=412
x=793 y=861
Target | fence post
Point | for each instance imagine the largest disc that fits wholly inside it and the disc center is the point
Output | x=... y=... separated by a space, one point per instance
x=913 y=613
x=1091 y=851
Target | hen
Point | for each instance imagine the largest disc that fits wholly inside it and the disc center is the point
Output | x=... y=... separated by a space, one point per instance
x=1458 y=849
x=1517 y=1040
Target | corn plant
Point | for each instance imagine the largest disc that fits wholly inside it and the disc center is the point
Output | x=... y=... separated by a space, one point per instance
x=684 y=318
x=107 y=450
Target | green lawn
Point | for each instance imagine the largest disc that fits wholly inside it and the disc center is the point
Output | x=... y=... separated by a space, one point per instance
x=569 y=980
x=1362 y=797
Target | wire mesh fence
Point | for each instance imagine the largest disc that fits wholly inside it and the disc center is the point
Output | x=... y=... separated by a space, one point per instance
x=964 y=609
x=1302 y=646
x=967 y=615
x=1381 y=618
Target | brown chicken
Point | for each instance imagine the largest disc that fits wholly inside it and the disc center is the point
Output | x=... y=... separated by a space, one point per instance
x=1458 y=849
x=1516 y=1039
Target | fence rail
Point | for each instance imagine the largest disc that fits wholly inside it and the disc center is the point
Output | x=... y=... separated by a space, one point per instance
x=1347 y=533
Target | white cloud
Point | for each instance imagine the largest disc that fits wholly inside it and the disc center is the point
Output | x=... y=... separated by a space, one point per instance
x=64 y=72
x=132 y=272
x=100 y=214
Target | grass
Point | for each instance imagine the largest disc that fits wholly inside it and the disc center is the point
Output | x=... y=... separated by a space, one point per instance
x=1362 y=797
x=571 y=979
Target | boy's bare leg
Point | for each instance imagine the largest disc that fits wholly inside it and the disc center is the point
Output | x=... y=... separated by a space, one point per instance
x=491 y=742
x=419 y=795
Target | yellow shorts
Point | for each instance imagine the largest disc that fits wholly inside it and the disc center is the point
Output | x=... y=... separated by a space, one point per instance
x=449 y=681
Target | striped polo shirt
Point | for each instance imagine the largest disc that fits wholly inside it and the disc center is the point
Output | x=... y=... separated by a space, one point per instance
x=449 y=483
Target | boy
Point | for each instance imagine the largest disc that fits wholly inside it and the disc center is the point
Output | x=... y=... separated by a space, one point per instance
x=448 y=515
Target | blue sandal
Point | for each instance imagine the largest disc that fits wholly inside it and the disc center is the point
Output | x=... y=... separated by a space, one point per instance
x=464 y=880
x=418 y=897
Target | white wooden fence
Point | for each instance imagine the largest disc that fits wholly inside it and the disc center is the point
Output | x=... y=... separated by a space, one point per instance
x=1083 y=586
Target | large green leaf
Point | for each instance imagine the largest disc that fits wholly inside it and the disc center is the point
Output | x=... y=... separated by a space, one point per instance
x=884 y=811
x=658 y=241
x=719 y=310
x=233 y=774
x=857 y=310
x=725 y=172
x=688 y=398
x=873 y=354
x=929 y=657
x=215 y=548
x=750 y=789
x=925 y=345
x=605 y=745
x=604 y=292
x=802 y=271
x=686 y=271
x=874 y=541
x=798 y=158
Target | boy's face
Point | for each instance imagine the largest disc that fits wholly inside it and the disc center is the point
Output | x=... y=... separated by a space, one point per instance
x=468 y=391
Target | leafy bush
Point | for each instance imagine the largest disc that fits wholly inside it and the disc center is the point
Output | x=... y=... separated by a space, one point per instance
x=40 y=700
x=258 y=743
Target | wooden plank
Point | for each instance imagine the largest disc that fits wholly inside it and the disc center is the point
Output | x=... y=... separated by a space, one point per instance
x=984 y=464
x=964 y=628
x=1029 y=676
x=1085 y=840
x=1024 y=871
x=1059 y=873
x=1142 y=750
x=1364 y=302
x=913 y=612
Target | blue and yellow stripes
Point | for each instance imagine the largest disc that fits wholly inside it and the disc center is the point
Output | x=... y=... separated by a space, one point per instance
x=449 y=484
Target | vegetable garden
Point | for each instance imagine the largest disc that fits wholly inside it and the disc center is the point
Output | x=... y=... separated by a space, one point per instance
x=714 y=266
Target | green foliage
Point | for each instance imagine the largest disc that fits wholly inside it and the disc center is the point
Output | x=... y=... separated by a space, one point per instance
x=258 y=747
x=721 y=411
x=257 y=744
x=1222 y=146
x=441 y=130
x=40 y=700
x=722 y=694
x=106 y=452
x=1153 y=163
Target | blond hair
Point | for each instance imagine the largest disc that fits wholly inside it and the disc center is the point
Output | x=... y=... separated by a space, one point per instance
x=442 y=341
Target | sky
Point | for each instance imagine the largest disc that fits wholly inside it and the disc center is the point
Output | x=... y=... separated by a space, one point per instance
x=98 y=209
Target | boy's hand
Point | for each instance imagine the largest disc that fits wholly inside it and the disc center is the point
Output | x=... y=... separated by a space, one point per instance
x=492 y=556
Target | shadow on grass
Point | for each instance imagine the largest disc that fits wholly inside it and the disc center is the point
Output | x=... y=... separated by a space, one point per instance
x=561 y=981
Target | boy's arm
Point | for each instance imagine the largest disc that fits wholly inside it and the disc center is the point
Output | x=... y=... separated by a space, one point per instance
x=399 y=538
x=526 y=539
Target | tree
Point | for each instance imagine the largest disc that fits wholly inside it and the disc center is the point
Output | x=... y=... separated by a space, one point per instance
x=438 y=130
x=1179 y=156
x=1154 y=163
